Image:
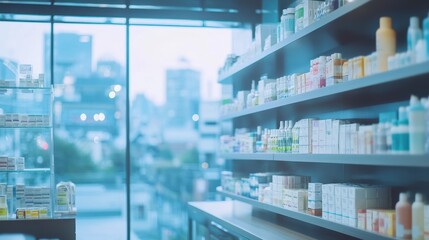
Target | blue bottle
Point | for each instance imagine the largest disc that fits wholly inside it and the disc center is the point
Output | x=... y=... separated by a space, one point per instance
x=426 y=34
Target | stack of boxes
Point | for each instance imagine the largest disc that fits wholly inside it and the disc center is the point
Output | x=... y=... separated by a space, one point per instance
x=257 y=182
x=305 y=132
x=26 y=77
x=286 y=191
x=380 y=221
x=342 y=202
x=24 y=120
x=12 y=163
x=295 y=199
x=37 y=197
x=314 y=204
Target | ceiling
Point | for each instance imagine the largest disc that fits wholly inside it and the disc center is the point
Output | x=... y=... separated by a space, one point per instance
x=231 y=12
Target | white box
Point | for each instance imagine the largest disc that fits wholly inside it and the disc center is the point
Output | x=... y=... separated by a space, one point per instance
x=325 y=215
x=342 y=139
x=315 y=187
x=356 y=192
x=314 y=204
x=345 y=220
x=331 y=207
x=335 y=136
x=354 y=138
x=325 y=207
x=352 y=222
x=324 y=198
x=262 y=31
x=356 y=203
x=348 y=139
x=331 y=217
x=338 y=218
x=314 y=196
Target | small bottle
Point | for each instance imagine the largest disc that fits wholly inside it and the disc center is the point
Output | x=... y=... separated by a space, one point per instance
x=418 y=217
x=403 y=131
x=426 y=34
x=251 y=95
x=289 y=137
x=416 y=116
x=414 y=33
x=395 y=136
x=385 y=42
x=403 y=217
x=3 y=207
x=420 y=51
x=289 y=22
x=281 y=140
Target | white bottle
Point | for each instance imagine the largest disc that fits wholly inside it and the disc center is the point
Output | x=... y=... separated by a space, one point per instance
x=418 y=217
x=420 y=51
x=414 y=33
x=385 y=42
x=250 y=96
x=416 y=116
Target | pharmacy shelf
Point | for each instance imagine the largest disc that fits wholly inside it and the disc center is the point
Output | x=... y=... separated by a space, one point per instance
x=48 y=228
x=304 y=34
x=242 y=223
x=247 y=156
x=402 y=82
x=24 y=88
x=399 y=160
x=310 y=219
x=331 y=31
x=30 y=170
x=26 y=127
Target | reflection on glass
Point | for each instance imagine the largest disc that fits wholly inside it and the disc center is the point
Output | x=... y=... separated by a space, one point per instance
x=174 y=124
x=89 y=63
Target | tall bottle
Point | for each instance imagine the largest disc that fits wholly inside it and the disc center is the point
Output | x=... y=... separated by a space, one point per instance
x=403 y=131
x=416 y=118
x=281 y=139
x=426 y=34
x=251 y=95
x=403 y=217
x=385 y=42
x=418 y=217
x=289 y=137
x=414 y=33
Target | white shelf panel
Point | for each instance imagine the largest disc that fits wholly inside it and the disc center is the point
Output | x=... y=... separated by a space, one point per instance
x=314 y=220
x=240 y=221
x=399 y=160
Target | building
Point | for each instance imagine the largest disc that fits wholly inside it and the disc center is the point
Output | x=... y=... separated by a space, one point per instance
x=183 y=96
x=72 y=54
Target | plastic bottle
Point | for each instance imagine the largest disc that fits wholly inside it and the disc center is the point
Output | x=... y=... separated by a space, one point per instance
x=403 y=131
x=425 y=103
x=414 y=33
x=420 y=51
x=416 y=116
x=426 y=34
x=289 y=137
x=403 y=217
x=289 y=22
x=395 y=136
x=385 y=42
x=418 y=217
x=3 y=207
x=281 y=138
x=251 y=95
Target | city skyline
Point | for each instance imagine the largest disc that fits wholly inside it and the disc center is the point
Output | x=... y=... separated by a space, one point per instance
x=151 y=52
